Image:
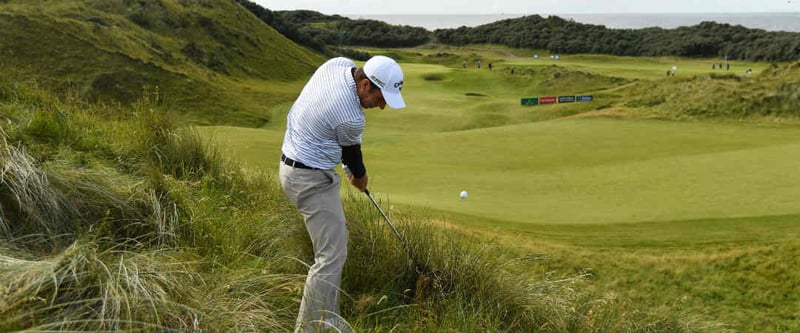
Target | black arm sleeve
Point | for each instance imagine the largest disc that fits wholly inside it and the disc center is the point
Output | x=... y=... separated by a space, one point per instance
x=351 y=157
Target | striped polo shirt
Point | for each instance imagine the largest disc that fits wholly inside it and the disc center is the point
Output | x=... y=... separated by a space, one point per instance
x=326 y=116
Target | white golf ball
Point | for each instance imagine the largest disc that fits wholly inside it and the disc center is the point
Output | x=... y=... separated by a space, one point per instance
x=463 y=194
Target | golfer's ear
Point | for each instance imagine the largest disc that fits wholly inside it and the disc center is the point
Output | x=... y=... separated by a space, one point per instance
x=363 y=83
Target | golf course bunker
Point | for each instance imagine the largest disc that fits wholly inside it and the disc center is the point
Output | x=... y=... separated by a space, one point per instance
x=474 y=94
x=434 y=77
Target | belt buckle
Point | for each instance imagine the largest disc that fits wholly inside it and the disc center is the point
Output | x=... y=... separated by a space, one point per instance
x=290 y=162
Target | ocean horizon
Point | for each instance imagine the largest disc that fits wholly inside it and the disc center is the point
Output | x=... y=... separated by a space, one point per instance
x=789 y=22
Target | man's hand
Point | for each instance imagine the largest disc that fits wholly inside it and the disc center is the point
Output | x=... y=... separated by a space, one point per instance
x=359 y=183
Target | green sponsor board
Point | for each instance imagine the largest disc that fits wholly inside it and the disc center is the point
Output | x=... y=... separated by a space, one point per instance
x=530 y=101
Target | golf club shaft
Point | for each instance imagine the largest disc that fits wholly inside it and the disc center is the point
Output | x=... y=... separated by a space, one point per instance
x=391 y=225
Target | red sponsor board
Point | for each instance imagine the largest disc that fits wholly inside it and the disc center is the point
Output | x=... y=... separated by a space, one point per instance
x=547 y=100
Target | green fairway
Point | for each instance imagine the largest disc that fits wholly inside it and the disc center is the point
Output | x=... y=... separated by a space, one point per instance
x=596 y=171
x=465 y=130
x=577 y=170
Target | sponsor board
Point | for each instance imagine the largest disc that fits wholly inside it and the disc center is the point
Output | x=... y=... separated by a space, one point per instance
x=547 y=100
x=566 y=99
x=555 y=99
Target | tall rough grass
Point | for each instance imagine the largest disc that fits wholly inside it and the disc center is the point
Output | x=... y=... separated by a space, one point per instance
x=171 y=150
x=458 y=282
x=86 y=288
x=90 y=289
x=52 y=206
x=93 y=241
x=27 y=192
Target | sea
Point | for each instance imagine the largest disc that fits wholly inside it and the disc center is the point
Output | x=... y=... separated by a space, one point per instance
x=767 y=21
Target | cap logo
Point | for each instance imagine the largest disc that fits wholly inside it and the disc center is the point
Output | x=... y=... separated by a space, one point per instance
x=398 y=85
x=377 y=81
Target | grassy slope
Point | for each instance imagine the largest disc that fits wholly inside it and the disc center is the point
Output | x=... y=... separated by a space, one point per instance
x=202 y=55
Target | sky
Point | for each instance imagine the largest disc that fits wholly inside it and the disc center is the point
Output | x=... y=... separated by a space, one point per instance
x=383 y=7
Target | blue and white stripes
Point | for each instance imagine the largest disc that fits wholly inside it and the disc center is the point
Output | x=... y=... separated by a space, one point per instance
x=326 y=116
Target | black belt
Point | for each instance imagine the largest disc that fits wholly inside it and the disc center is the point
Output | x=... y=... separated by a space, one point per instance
x=295 y=164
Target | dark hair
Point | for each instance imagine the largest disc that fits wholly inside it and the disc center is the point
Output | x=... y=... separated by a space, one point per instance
x=360 y=75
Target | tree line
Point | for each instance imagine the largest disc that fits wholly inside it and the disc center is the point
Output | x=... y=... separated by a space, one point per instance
x=330 y=33
x=298 y=33
x=558 y=35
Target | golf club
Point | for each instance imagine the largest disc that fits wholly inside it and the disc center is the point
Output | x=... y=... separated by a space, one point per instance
x=391 y=225
x=427 y=281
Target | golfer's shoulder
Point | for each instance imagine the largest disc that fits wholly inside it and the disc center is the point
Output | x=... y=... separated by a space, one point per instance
x=340 y=62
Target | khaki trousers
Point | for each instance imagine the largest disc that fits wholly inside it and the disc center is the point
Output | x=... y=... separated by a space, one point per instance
x=315 y=193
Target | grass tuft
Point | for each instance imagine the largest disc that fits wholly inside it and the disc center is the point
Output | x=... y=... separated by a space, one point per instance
x=30 y=203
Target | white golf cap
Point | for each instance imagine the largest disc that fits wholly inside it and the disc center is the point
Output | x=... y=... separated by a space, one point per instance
x=385 y=73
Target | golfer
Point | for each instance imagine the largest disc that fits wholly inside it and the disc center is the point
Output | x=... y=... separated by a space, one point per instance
x=323 y=129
